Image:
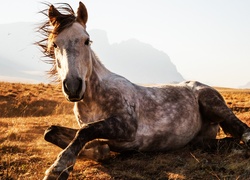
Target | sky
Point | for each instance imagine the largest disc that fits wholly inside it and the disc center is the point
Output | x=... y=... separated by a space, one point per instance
x=207 y=40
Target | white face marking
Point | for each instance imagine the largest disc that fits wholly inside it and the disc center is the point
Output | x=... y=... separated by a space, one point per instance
x=73 y=59
x=71 y=52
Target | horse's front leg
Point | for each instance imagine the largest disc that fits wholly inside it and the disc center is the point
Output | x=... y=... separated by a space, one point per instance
x=112 y=128
x=60 y=136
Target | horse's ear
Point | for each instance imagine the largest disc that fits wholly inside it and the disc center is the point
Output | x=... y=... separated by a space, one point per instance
x=53 y=15
x=82 y=14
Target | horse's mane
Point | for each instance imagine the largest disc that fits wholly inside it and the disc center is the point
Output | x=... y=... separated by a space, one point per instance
x=48 y=33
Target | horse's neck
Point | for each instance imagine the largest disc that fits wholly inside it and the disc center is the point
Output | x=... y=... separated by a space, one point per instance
x=98 y=69
x=99 y=73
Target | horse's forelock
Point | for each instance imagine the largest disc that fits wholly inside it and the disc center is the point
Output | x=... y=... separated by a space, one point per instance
x=48 y=33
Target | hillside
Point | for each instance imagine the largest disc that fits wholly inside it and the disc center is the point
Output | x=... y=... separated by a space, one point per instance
x=29 y=100
x=247 y=85
x=35 y=100
x=19 y=58
x=27 y=110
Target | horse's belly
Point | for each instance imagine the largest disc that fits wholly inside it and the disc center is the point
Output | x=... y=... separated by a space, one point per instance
x=162 y=142
x=169 y=135
x=161 y=137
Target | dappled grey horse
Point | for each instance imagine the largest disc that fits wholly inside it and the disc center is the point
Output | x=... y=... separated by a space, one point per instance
x=115 y=114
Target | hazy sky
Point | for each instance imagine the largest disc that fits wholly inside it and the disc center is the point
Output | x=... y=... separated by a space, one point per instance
x=207 y=40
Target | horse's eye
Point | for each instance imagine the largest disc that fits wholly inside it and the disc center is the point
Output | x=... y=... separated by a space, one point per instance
x=54 y=44
x=87 y=42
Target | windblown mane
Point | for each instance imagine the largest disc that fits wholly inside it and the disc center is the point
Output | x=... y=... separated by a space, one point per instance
x=48 y=33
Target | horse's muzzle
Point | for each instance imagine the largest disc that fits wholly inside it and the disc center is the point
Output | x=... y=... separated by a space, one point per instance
x=73 y=89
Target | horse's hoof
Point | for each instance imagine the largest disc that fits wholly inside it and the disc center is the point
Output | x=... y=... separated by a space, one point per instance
x=97 y=153
x=59 y=170
x=60 y=176
x=51 y=174
x=246 y=138
x=48 y=134
x=103 y=153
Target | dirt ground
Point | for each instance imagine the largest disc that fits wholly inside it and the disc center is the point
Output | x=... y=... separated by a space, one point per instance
x=27 y=110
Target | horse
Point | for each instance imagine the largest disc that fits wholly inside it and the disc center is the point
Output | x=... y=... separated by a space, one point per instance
x=115 y=114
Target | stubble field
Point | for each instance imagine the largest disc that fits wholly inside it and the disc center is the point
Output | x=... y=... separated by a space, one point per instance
x=27 y=110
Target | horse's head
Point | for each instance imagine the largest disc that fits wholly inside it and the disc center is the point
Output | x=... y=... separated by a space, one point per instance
x=70 y=44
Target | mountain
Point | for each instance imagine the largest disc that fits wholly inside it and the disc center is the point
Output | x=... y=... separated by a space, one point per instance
x=246 y=86
x=137 y=61
x=19 y=58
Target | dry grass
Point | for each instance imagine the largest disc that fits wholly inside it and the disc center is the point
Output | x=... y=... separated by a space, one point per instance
x=27 y=100
x=27 y=110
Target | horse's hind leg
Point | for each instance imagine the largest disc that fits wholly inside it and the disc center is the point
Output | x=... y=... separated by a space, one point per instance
x=60 y=136
x=214 y=108
x=216 y=145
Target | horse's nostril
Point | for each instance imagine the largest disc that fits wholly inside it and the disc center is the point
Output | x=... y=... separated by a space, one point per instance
x=65 y=86
x=73 y=87
x=79 y=85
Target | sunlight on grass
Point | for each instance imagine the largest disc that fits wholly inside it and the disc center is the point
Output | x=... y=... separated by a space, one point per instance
x=27 y=110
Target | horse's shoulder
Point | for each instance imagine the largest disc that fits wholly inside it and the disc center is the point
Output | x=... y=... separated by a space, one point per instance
x=118 y=84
